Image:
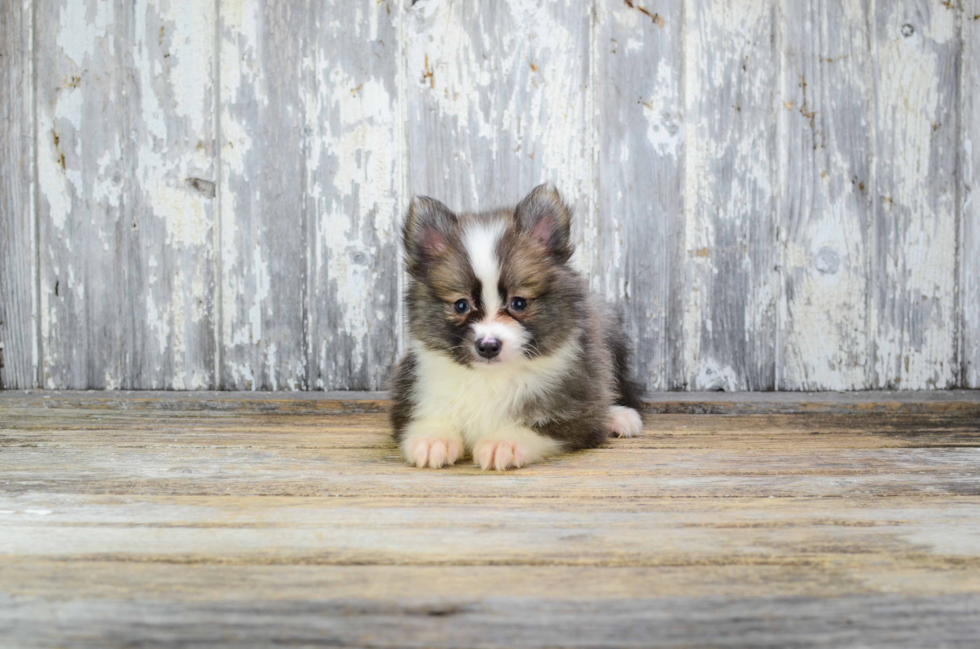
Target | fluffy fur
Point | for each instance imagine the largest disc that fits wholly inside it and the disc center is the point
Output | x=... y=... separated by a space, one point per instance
x=558 y=376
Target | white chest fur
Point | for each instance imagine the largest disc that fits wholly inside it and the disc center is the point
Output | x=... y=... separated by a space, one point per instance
x=481 y=400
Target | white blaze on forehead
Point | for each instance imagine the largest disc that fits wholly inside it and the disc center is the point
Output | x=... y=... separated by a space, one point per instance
x=480 y=240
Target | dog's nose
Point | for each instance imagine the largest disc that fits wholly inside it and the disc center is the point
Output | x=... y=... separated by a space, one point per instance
x=488 y=347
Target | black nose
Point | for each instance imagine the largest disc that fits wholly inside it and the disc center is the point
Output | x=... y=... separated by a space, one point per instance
x=488 y=347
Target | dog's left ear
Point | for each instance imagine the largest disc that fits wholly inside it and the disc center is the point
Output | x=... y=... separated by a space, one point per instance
x=544 y=216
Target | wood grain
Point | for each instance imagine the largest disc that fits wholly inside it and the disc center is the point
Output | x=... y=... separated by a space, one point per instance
x=152 y=451
x=124 y=170
x=308 y=260
x=875 y=620
x=354 y=120
x=84 y=232
x=171 y=191
x=881 y=402
x=825 y=200
x=499 y=101
x=480 y=532
x=18 y=240
x=916 y=53
x=728 y=322
x=969 y=197
x=200 y=526
x=641 y=147
x=265 y=68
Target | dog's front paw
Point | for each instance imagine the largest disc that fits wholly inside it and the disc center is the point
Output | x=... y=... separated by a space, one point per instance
x=434 y=453
x=624 y=422
x=500 y=455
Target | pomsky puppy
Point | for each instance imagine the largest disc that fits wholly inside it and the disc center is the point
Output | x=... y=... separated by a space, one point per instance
x=510 y=358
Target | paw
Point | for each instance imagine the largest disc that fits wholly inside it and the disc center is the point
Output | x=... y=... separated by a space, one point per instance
x=500 y=455
x=434 y=453
x=624 y=422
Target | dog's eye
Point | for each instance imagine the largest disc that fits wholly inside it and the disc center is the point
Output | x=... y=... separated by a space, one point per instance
x=518 y=304
x=461 y=306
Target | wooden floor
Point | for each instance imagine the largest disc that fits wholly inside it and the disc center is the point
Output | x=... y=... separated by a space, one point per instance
x=171 y=520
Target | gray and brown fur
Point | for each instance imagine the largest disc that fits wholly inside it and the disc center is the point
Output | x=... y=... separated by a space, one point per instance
x=533 y=254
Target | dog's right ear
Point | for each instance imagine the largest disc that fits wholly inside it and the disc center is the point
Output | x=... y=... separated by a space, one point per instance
x=427 y=231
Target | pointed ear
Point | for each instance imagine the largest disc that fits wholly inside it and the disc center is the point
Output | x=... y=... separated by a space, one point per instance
x=544 y=216
x=427 y=230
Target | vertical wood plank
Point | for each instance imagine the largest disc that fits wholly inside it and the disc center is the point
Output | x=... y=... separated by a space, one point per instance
x=825 y=197
x=124 y=173
x=84 y=233
x=264 y=217
x=730 y=288
x=499 y=101
x=639 y=205
x=916 y=57
x=970 y=197
x=18 y=245
x=172 y=192
x=351 y=165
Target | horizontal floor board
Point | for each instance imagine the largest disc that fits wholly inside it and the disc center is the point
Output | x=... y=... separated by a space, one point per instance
x=513 y=622
x=603 y=473
x=55 y=579
x=966 y=402
x=365 y=531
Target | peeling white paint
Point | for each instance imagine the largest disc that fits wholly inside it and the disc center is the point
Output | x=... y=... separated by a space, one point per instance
x=715 y=376
x=663 y=129
x=825 y=200
x=71 y=102
x=35 y=380
x=915 y=344
x=363 y=119
x=188 y=222
x=240 y=77
x=111 y=382
x=158 y=323
x=504 y=95
x=969 y=355
x=79 y=30
x=272 y=365
x=191 y=49
x=534 y=124
x=728 y=188
x=52 y=182
x=117 y=150
x=942 y=22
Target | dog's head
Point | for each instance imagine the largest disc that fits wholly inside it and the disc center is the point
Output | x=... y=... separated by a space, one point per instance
x=493 y=287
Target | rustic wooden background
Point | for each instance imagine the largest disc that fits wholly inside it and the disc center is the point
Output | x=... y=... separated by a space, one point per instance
x=205 y=194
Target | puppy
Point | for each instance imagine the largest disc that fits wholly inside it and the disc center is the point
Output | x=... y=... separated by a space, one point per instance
x=509 y=357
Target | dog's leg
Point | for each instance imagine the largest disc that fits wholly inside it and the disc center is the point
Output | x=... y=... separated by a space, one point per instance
x=431 y=443
x=624 y=422
x=511 y=448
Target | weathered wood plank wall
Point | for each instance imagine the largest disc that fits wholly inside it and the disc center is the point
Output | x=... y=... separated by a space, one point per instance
x=124 y=169
x=308 y=262
x=730 y=283
x=206 y=195
x=915 y=56
x=968 y=199
x=825 y=199
x=639 y=180
x=263 y=216
x=18 y=240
